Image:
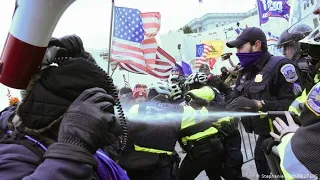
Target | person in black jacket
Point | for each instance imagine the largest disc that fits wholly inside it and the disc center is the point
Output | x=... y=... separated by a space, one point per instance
x=297 y=52
x=66 y=114
x=216 y=82
x=265 y=83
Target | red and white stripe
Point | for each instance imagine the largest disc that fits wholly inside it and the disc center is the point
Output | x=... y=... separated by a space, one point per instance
x=151 y=23
x=139 y=54
x=203 y=59
x=147 y=57
x=161 y=68
x=32 y=25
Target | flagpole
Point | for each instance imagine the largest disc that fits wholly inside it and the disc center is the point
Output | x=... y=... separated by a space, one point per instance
x=200 y=11
x=128 y=78
x=200 y=8
x=110 y=36
x=114 y=69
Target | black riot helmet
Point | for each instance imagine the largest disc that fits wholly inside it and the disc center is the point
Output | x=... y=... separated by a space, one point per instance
x=313 y=41
x=289 y=41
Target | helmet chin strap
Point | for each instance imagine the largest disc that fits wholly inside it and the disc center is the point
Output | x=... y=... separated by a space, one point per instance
x=297 y=56
x=299 y=53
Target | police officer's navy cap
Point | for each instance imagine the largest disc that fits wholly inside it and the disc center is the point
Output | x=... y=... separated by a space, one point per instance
x=251 y=34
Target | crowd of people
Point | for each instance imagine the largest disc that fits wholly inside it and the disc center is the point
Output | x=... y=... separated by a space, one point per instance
x=72 y=123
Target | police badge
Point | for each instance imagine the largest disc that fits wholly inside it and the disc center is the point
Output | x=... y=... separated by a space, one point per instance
x=289 y=73
x=259 y=78
x=313 y=101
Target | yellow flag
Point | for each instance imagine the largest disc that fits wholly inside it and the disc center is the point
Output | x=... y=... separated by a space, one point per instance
x=217 y=46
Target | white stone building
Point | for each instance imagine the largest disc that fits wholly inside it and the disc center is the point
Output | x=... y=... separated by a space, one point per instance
x=214 y=20
x=227 y=32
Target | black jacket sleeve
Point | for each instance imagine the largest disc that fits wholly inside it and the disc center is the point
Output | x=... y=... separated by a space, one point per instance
x=282 y=89
x=222 y=87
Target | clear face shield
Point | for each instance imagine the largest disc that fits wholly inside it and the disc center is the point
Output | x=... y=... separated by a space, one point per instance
x=290 y=49
x=298 y=31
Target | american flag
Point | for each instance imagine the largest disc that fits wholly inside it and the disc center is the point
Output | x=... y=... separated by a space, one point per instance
x=201 y=54
x=160 y=69
x=134 y=45
x=272 y=39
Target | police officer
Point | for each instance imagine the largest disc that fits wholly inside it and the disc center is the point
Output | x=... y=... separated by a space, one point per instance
x=153 y=133
x=312 y=40
x=154 y=138
x=298 y=52
x=298 y=150
x=298 y=147
x=177 y=94
x=199 y=138
x=265 y=83
x=300 y=118
x=200 y=80
x=216 y=82
x=228 y=133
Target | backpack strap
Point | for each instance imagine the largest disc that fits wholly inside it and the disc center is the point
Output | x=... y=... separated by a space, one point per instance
x=269 y=67
x=271 y=64
x=28 y=142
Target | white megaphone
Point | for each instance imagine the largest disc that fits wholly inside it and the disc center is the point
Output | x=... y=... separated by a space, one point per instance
x=31 y=30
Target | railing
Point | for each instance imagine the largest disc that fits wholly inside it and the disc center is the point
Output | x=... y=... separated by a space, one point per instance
x=247 y=148
x=248 y=144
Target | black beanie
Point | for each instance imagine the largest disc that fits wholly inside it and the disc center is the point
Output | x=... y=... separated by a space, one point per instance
x=57 y=88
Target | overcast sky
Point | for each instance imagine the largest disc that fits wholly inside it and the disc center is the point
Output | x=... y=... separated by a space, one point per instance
x=90 y=19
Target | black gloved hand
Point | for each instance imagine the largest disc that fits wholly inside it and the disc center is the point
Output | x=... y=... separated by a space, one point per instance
x=227 y=127
x=88 y=119
x=243 y=104
x=84 y=127
x=267 y=145
x=195 y=101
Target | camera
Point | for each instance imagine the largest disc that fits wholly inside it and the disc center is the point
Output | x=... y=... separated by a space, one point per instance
x=226 y=56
